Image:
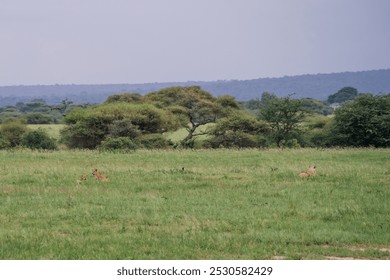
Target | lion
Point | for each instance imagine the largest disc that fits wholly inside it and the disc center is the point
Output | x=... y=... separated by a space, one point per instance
x=83 y=178
x=311 y=171
x=99 y=176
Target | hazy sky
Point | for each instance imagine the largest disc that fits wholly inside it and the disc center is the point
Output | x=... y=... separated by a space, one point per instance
x=138 y=41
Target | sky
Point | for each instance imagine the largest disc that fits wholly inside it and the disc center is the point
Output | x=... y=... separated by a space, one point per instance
x=145 y=41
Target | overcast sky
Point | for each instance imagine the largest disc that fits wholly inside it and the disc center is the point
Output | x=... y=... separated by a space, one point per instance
x=139 y=41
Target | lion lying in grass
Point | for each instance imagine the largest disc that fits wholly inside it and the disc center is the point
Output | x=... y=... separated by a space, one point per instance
x=311 y=171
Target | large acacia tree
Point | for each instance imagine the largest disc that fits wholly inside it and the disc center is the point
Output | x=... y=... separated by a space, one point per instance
x=194 y=106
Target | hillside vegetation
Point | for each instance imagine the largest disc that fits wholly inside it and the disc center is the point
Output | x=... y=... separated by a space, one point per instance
x=318 y=86
x=130 y=121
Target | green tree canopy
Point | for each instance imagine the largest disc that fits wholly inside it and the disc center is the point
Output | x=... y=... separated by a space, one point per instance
x=89 y=127
x=283 y=115
x=364 y=122
x=125 y=97
x=238 y=130
x=344 y=94
x=194 y=106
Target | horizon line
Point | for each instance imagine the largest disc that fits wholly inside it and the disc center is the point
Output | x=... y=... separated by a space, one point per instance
x=190 y=81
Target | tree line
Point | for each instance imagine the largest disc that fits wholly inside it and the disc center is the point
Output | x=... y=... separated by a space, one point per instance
x=130 y=121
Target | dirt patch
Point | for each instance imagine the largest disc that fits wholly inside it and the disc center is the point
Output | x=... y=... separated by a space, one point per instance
x=357 y=249
x=341 y=258
x=8 y=189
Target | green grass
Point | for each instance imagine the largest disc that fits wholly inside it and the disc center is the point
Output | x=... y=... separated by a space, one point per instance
x=224 y=204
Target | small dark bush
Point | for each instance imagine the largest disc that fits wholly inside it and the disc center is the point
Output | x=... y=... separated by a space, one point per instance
x=117 y=143
x=153 y=141
x=39 y=140
x=12 y=133
x=4 y=143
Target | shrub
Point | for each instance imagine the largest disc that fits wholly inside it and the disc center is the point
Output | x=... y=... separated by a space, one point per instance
x=39 y=118
x=153 y=141
x=237 y=131
x=117 y=143
x=232 y=139
x=88 y=128
x=12 y=133
x=39 y=139
x=4 y=143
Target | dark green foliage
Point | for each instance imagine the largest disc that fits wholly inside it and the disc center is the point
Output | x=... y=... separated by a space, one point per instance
x=39 y=139
x=153 y=141
x=88 y=128
x=125 y=97
x=38 y=112
x=39 y=118
x=12 y=133
x=124 y=144
x=316 y=106
x=283 y=115
x=4 y=143
x=364 y=122
x=238 y=131
x=85 y=134
x=35 y=105
x=123 y=128
x=344 y=94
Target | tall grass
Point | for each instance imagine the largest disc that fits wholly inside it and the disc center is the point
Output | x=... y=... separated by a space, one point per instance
x=223 y=204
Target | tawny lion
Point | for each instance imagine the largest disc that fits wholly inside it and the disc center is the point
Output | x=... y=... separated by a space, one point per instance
x=83 y=177
x=99 y=176
x=311 y=171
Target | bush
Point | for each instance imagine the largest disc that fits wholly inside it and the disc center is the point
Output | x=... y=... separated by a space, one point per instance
x=153 y=141
x=4 y=143
x=232 y=139
x=238 y=131
x=117 y=143
x=39 y=118
x=88 y=128
x=12 y=133
x=38 y=139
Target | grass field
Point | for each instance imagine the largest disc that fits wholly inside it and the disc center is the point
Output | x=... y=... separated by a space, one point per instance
x=224 y=204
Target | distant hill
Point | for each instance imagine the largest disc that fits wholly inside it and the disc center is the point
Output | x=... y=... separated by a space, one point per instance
x=318 y=86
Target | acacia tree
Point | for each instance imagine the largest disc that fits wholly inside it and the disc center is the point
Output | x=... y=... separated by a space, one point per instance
x=194 y=106
x=283 y=116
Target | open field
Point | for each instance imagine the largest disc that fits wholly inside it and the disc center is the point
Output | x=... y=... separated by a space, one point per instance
x=223 y=204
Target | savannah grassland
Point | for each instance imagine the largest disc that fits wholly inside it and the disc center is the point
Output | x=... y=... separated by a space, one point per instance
x=200 y=204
